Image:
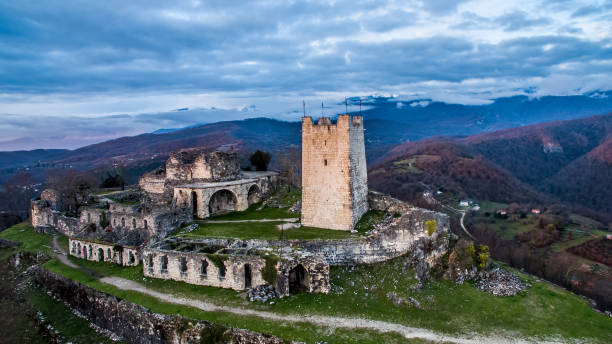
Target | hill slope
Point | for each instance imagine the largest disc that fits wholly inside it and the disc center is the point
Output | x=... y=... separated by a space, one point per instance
x=566 y=160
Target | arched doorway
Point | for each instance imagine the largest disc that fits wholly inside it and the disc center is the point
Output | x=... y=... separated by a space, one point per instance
x=100 y=254
x=222 y=201
x=254 y=194
x=194 y=203
x=298 y=279
x=247 y=276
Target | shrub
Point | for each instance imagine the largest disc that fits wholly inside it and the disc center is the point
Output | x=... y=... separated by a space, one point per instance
x=103 y=219
x=269 y=272
x=431 y=226
x=483 y=256
x=218 y=259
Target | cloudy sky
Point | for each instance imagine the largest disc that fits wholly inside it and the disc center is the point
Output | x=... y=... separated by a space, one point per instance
x=76 y=72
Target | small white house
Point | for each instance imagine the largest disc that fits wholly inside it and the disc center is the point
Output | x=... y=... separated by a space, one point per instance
x=476 y=207
x=464 y=203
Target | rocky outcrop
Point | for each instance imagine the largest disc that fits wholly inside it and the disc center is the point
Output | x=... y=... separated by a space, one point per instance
x=137 y=324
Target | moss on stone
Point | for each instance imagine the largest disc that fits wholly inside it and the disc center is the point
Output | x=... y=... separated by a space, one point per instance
x=269 y=272
x=431 y=226
x=214 y=334
x=217 y=259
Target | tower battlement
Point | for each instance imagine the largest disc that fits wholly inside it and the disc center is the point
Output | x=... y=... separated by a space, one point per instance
x=334 y=174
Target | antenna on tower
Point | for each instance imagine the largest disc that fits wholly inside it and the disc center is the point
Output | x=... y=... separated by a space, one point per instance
x=321 y=109
x=304 y=107
x=360 y=106
x=345 y=105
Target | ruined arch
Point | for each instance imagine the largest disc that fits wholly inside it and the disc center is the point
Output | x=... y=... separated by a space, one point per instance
x=298 y=279
x=254 y=194
x=222 y=201
x=194 y=203
x=248 y=272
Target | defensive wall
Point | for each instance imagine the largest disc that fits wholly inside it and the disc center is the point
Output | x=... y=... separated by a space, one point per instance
x=136 y=324
x=407 y=233
x=104 y=252
x=235 y=268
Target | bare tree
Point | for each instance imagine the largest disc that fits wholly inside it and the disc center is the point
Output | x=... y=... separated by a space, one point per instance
x=290 y=162
x=18 y=190
x=72 y=185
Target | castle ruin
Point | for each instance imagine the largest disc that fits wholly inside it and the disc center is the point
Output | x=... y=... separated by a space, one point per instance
x=145 y=226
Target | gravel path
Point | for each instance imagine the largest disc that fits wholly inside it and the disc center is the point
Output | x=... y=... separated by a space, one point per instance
x=61 y=255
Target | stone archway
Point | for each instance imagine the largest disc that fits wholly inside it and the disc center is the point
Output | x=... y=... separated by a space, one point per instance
x=298 y=279
x=194 y=203
x=100 y=254
x=254 y=194
x=247 y=276
x=222 y=201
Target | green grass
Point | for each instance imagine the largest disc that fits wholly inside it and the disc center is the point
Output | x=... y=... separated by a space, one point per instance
x=264 y=231
x=252 y=213
x=286 y=197
x=56 y=313
x=31 y=241
x=545 y=310
x=299 y=331
x=368 y=220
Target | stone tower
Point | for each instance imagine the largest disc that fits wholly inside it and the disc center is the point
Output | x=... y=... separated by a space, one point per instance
x=334 y=174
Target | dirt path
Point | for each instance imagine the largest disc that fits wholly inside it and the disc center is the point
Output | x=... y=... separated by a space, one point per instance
x=463 y=226
x=61 y=254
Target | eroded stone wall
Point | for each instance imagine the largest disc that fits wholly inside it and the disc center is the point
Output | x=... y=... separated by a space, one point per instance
x=201 y=269
x=194 y=165
x=334 y=176
x=136 y=324
x=104 y=252
x=406 y=234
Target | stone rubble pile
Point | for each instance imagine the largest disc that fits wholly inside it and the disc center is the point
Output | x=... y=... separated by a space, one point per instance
x=296 y=208
x=383 y=224
x=500 y=283
x=192 y=227
x=398 y=301
x=261 y=293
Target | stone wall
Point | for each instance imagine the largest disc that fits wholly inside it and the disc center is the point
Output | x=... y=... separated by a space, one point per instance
x=153 y=182
x=198 y=166
x=406 y=234
x=46 y=219
x=230 y=270
x=334 y=176
x=155 y=220
x=358 y=168
x=202 y=269
x=136 y=324
x=104 y=252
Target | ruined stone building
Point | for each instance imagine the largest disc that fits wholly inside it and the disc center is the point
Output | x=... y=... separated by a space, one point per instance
x=208 y=183
x=334 y=175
